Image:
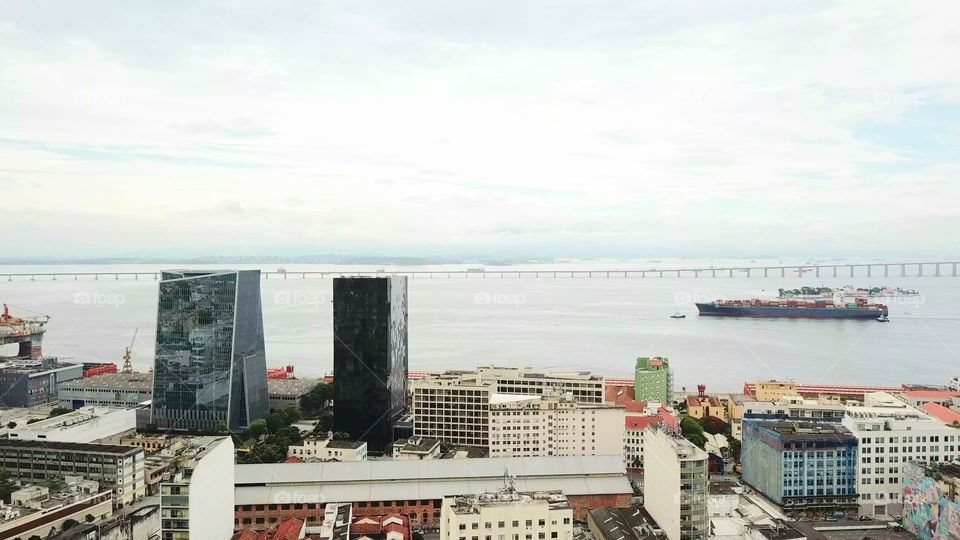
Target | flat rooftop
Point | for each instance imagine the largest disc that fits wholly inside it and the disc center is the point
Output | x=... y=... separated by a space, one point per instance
x=54 y=446
x=289 y=387
x=426 y=479
x=472 y=504
x=793 y=431
x=112 y=381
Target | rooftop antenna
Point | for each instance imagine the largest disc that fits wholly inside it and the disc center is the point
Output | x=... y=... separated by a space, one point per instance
x=127 y=364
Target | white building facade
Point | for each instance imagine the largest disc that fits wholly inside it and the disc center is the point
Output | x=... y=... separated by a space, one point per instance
x=329 y=450
x=534 y=426
x=889 y=434
x=199 y=502
x=507 y=515
x=675 y=484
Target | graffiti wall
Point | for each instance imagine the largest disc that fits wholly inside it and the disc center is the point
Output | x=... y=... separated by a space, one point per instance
x=926 y=512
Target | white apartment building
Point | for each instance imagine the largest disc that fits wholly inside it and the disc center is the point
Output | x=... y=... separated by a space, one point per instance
x=891 y=433
x=199 y=501
x=455 y=406
x=329 y=450
x=675 y=484
x=507 y=514
x=549 y=425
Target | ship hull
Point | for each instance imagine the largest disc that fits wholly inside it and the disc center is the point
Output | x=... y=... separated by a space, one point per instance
x=788 y=312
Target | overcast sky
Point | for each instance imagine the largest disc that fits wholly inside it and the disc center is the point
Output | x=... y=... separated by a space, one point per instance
x=547 y=127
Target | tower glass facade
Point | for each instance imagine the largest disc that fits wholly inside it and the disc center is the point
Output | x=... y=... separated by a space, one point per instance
x=210 y=366
x=369 y=356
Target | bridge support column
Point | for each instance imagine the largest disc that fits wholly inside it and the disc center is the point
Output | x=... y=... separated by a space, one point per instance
x=954 y=273
x=661 y=273
x=731 y=272
x=713 y=272
x=851 y=270
x=766 y=272
x=783 y=272
x=903 y=270
x=936 y=270
x=869 y=270
x=886 y=270
x=748 y=272
x=834 y=271
x=919 y=269
x=817 y=271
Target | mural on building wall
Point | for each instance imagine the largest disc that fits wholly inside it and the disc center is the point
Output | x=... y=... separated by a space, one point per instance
x=926 y=512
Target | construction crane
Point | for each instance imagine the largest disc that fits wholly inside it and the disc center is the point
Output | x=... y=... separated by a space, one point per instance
x=127 y=364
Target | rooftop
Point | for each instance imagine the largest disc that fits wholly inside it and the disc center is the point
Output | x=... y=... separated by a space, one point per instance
x=86 y=417
x=945 y=415
x=417 y=444
x=289 y=387
x=119 y=381
x=71 y=447
x=931 y=394
x=780 y=530
x=508 y=496
x=34 y=367
x=793 y=431
x=430 y=479
x=630 y=523
x=345 y=444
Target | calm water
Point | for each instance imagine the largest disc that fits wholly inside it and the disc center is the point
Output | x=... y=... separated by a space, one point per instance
x=552 y=324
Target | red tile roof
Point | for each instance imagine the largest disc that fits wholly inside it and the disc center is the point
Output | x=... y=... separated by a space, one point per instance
x=669 y=419
x=639 y=423
x=289 y=529
x=932 y=394
x=293 y=459
x=945 y=415
x=245 y=534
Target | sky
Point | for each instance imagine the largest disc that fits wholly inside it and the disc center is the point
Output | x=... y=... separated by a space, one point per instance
x=542 y=127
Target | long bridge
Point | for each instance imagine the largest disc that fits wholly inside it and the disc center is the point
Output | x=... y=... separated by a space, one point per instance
x=901 y=269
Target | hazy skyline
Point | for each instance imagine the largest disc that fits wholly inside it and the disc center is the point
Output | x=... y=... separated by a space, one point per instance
x=554 y=128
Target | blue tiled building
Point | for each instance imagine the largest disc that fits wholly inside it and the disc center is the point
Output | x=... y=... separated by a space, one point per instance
x=800 y=465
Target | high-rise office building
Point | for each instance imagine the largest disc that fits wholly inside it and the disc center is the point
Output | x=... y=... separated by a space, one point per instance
x=210 y=357
x=369 y=357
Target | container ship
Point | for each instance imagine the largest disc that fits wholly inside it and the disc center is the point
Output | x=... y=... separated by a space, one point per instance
x=826 y=308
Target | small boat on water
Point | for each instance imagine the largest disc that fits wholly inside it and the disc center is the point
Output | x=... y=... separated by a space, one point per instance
x=678 y=315
x=883 y=318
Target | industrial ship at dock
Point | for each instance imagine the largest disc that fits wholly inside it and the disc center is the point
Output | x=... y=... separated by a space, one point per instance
x=826 y=308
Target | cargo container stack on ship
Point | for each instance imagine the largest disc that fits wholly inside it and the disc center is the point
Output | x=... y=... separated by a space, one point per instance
x=820 y=308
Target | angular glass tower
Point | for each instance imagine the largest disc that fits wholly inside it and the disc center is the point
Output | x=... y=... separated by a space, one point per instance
x=369 y=357
x=210 y=367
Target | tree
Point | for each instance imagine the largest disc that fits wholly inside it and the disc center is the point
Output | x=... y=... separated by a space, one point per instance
x=735 y=449
x=417 y=535
x=11 y=424
x=57 y=411
x=315 y=401
x=693 y=431
x=341 y=436
x=257 y=429
x=69 y=524
x=714 y=425
x=289 y=415
x=89 y=518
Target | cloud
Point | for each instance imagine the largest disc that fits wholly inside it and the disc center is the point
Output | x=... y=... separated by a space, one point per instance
x=687 y=128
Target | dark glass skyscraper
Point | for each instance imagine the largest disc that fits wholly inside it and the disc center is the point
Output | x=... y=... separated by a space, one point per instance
x=369 y=357
x=210 y=366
